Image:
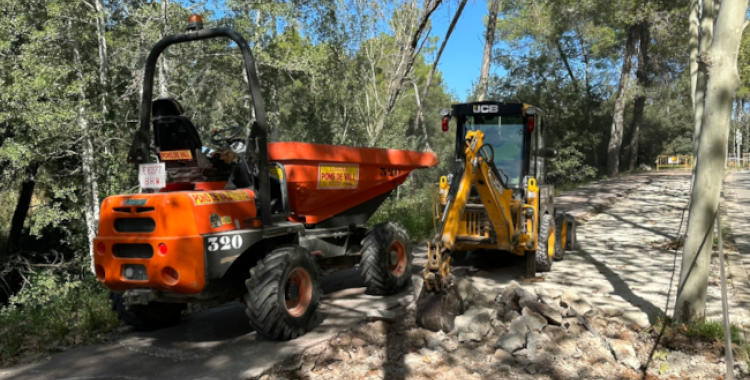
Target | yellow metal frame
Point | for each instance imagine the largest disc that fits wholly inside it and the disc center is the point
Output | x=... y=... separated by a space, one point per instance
x=513 y=236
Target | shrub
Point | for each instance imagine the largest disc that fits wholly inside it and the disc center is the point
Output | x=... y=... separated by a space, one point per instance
x=413 y=212
x=52 y=313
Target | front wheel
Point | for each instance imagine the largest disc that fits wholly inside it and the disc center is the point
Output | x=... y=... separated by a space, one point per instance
x=545 y=248
x=283 y=293
x=386 y=259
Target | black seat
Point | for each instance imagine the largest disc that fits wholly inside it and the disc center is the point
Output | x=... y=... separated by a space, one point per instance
x=174 y=133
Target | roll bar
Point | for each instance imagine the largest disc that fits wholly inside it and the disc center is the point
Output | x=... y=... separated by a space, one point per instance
x=139 y=152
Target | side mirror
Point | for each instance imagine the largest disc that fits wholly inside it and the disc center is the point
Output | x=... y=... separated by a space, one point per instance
x=547 y=152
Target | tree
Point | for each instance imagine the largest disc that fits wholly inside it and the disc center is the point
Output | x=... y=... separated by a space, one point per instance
x=719 y=62
x=642 y=73
x=407 y=46
x=615 y=137
x=697 y=76
x=489 y=43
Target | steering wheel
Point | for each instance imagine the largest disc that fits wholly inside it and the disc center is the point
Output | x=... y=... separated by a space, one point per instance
x=226 y=135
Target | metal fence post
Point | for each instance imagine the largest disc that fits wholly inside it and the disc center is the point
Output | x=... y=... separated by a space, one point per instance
x=724 y=306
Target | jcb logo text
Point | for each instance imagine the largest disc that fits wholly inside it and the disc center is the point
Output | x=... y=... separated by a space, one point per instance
x=485 y=108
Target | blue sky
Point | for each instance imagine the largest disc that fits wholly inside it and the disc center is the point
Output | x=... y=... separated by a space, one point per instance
x=462 y=59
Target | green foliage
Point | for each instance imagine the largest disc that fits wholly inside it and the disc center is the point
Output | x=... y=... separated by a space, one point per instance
x=569 y=166
x=712 y=331
x=54 y=312
x=413 y=212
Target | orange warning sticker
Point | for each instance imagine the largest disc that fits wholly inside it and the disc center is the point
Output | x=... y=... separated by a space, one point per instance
x=338 y=176
x=174 y=155
x=216 y=197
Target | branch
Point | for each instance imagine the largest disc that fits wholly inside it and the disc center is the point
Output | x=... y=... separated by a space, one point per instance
x=420 y=114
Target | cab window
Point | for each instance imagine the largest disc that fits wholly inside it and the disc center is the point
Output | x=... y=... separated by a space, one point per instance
x=505 y=134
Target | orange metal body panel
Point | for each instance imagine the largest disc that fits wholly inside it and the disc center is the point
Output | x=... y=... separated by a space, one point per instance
x=325 y=180
x=181 y=218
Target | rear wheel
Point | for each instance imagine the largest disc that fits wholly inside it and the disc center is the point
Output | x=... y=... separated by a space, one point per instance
x=545 y=249
x=571 y=240
x=386 y=259
x=154 y=315
x=283 y=293
x=561 y=236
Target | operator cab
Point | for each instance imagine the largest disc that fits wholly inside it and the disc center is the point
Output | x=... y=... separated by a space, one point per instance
x=191 y=165
x=515 y=131
x=179 y=145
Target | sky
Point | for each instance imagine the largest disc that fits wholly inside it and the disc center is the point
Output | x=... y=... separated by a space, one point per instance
x=462 y=59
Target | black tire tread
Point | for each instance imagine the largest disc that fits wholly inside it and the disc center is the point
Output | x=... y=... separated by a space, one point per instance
x=375 y=259
x=543 y=261
x=266 y=314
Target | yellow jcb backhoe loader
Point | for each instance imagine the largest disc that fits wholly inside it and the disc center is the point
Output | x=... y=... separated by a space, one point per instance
x=497 y=199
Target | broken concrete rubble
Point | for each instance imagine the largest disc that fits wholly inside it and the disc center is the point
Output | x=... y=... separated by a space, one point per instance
x=532 y=341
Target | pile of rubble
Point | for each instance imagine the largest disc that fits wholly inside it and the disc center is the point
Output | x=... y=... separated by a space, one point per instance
x=518 y=334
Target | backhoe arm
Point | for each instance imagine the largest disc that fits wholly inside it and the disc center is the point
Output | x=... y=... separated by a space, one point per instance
x=483 y=175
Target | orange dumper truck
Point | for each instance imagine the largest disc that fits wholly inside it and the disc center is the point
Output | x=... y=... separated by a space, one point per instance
x=251 y=220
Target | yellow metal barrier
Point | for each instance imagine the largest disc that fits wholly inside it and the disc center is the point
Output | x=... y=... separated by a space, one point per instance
x=674 y=162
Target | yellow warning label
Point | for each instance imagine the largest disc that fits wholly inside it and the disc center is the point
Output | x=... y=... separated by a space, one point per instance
x=174 y=155
x=214 y=197
x=226 y=220
x=338 y=177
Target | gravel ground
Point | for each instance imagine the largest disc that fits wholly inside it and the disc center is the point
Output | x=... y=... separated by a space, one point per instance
x=620 y=279
x=499 y=338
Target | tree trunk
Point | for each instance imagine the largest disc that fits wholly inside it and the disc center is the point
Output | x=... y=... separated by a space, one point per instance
x=720 y=63
x=88 y=164
x=644 y=37
x=420 y=114
x=615 y=138
x=694 y=19
x=489 y=42
x=22 y=209
x=102 y=42
x=419 y=107
x=704 y=40
x=163 y=60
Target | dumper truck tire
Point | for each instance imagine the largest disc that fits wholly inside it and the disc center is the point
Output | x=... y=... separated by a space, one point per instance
x=283 y=293
x=386 y=259
x=152 y=316
x=544 y=251
x=561 y=236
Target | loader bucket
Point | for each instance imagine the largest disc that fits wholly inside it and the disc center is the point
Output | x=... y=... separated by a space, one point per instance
x=326 y=180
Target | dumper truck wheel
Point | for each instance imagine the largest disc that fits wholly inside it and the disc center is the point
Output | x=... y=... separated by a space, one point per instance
x=561 y=236
x=153 y=316
x=283 y=293
x=545 y=249
x=386 y=259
